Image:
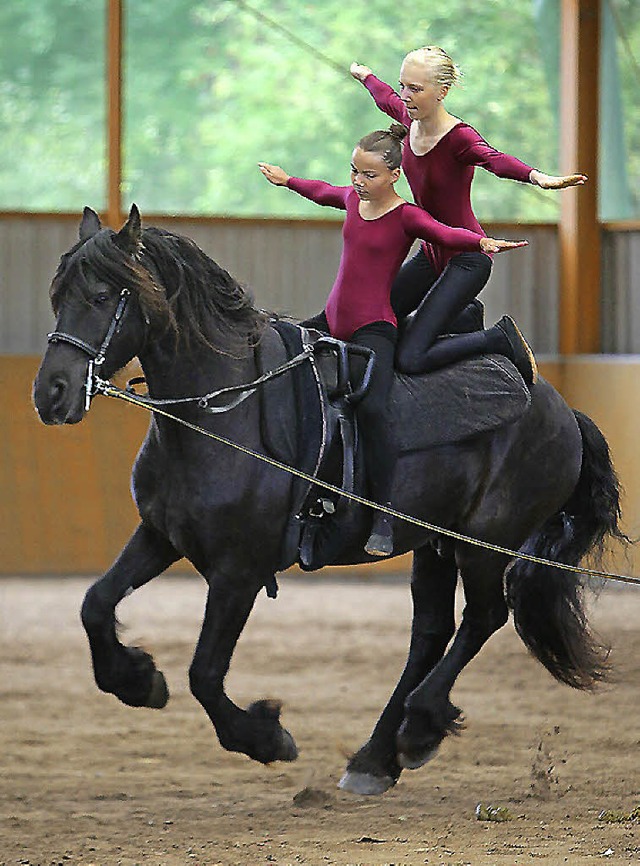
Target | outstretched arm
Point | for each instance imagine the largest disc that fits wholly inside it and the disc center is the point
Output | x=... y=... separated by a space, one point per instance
x=315 y=190
x=274 y=174
x=552 y=181
x=359 y=71
x=384 y=96
x=472 y=149
x=418 y=223
x=493 y=245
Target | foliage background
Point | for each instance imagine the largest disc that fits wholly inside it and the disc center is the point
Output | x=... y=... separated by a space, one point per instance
x=211 y=88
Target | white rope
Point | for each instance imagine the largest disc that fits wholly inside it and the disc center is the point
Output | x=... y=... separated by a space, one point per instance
x=110 y=390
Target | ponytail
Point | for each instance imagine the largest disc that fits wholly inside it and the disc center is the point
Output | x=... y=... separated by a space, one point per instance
x=386 y=142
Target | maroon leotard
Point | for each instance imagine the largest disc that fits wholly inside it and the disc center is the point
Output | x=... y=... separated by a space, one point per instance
x=372 y=253
x=440 y=180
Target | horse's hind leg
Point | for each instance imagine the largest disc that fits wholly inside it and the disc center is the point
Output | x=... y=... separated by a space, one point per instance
x=375 y=768
x=256 y=731
x=129 y=673
x=429 y=714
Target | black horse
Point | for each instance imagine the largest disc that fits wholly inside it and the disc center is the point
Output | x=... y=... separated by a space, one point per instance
x=542 y=485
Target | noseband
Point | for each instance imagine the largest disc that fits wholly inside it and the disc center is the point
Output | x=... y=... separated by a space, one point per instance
x=96 y=356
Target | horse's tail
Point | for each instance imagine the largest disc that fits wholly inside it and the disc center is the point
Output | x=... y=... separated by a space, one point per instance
x=548 y=603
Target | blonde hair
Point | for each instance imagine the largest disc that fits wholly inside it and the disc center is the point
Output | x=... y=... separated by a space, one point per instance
x=387 y=143
x=444 y=71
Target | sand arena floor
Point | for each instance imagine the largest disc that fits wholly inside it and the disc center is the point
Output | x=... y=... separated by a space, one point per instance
x=86 y=780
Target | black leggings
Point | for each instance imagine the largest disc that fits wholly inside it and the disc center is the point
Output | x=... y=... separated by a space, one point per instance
x=427 y=306
x=380 y=447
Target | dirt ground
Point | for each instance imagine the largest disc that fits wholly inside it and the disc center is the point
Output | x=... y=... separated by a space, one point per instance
x=85 y=780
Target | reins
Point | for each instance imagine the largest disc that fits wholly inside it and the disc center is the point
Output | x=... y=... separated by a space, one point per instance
x=245 y=390
x=107 y=389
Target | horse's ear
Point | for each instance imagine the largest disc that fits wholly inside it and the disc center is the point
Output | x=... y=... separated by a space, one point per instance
x=89 y=225
x=128 y=238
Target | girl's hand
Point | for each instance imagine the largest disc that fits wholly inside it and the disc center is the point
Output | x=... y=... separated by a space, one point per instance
x=359 y=72
x=552 y=181
x=274 y=174
x=491 y=245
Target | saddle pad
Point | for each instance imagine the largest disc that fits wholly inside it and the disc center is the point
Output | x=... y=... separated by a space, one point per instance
x=278 y=403
x=291 y=414
x=455 y=403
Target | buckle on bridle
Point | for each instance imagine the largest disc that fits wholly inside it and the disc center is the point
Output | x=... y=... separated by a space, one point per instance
x=89 y=386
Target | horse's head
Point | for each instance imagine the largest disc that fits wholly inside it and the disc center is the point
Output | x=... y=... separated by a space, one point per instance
x=100 y=315
x=119 y=294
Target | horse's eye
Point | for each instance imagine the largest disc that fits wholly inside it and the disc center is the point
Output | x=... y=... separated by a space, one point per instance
x=101 y=298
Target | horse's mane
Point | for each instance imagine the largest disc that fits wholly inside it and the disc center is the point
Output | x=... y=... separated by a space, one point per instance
x=177 y=286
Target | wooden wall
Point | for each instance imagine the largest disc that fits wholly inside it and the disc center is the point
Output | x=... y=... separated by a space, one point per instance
x=64 y=500
x=288 y=265
x=620 y=295
x=65 y=505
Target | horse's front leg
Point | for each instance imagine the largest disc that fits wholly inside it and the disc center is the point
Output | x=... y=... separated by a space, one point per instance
x=375 y=768
x=256 y=731
x=429 y=713
x=127 y=672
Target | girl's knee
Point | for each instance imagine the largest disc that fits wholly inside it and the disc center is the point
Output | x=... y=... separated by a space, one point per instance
x=481 y=263
x=409 y=360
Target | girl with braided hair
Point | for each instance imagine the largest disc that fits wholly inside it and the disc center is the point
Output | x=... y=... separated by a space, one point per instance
x=378 y=232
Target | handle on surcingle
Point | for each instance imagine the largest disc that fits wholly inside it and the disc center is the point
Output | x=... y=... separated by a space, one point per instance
x=356 y=395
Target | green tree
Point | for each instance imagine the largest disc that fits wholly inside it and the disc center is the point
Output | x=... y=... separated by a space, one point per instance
x=626 y=16
x=52 y=105
x=211 y=87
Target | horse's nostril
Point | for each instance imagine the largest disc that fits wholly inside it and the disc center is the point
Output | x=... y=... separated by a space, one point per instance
x=56 y=390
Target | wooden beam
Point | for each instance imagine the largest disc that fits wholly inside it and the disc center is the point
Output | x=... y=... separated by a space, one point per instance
x=579 y=230
x=114 y=112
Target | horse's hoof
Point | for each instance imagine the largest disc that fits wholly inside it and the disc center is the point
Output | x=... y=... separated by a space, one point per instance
x=287 y=751
x=365 y=784
x=414 y=762
x=159 y=694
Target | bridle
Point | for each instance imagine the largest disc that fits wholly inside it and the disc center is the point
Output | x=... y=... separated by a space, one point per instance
x=94 y=384
x=96 y=356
